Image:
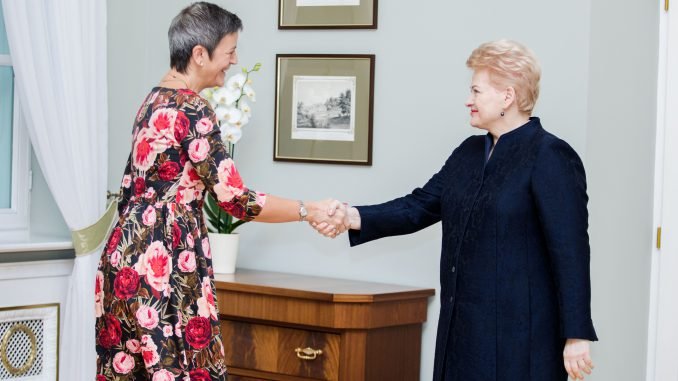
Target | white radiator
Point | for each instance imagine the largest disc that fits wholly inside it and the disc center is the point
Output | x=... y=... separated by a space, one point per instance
x=29 y=338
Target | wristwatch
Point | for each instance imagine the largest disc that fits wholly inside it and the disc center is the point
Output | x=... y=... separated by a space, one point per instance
x=302 y=211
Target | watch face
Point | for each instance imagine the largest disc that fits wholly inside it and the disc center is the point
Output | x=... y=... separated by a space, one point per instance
x=302 y=211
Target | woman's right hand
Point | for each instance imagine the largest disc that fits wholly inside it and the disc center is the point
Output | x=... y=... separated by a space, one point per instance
x=577 y=358
x=344 y=218
x=328 y=216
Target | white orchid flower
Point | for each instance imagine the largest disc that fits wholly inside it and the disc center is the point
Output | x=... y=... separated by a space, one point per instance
x=236 y=82
x=230 y=115
x=220 y=111
x=243 y=121
x=245 y=108
x=249 y=91
x=224 y=96
x=232 y=134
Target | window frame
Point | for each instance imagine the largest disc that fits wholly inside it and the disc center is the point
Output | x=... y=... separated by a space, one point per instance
x=14 y=221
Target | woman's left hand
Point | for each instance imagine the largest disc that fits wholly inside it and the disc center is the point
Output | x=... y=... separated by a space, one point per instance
x=577 y=358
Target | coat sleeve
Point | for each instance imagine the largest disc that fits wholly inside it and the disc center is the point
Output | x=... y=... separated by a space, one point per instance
x=559 y=187
x=209 y=160
x=404 y=215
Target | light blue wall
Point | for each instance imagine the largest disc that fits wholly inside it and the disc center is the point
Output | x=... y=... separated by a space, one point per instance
x=419 y=118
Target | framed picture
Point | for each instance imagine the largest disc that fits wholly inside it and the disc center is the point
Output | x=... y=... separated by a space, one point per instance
x=323 y=108
x=327 y=14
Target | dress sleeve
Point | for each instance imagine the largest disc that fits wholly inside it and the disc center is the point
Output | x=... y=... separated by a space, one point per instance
x=559 y=188
x=208 y=157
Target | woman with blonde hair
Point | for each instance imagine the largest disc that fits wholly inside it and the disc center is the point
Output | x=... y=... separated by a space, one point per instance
x=514 y=268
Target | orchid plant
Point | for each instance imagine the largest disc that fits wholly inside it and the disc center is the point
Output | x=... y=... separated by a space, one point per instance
x=233 y=113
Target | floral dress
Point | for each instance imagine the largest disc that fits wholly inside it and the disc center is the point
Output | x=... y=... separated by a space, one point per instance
x=156 y=312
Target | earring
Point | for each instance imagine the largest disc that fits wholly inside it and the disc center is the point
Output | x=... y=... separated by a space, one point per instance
x=502 y=113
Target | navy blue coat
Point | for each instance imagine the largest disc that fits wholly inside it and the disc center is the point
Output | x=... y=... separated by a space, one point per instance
x=514 y=267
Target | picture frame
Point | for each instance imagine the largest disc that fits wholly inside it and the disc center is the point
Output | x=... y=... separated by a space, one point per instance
x=324 y=108
x=327 y=14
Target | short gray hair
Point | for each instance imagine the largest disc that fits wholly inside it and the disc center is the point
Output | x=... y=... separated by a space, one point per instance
x=202 y=24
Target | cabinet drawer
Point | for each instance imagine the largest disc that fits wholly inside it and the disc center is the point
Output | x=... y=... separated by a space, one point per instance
x=293 y=352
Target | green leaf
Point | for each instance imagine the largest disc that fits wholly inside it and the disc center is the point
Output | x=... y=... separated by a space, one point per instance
x=211 y=210
x=167 y=361
x=211 y=221
x=257 y=66
x=244 y=70
x=235 y=226
x=210 y=204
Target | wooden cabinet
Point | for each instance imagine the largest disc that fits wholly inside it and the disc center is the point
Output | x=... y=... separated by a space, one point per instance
x=288 y=327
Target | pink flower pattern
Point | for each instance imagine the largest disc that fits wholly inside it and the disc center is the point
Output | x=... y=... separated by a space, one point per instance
x=123 y=363
x=206 y=304
x=160 y=244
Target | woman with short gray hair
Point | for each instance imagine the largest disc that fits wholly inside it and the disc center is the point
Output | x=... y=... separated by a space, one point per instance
x=155 y=300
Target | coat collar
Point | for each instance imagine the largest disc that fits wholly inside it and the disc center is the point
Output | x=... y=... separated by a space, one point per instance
x=512 y=137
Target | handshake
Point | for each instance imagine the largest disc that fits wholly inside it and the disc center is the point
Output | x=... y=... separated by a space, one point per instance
x=332 y=217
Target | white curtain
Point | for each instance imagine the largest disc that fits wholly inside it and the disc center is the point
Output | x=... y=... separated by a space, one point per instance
x=58 y=50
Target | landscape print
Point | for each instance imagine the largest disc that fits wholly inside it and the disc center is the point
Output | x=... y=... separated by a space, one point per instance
x=324 y=108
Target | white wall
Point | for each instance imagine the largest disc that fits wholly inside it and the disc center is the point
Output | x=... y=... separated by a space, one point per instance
x=420 y=86
x=620 y=163
x=31 y=283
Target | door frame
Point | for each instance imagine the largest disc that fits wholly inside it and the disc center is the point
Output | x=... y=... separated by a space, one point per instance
x=661 y=335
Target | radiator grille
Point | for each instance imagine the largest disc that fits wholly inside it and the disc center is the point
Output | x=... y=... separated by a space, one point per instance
x=22 y=346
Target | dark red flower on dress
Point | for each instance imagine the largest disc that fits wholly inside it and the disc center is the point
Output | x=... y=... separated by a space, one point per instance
x=183 y=158
x=176 y=235
x=139 y=186
x=181 y=125
x=126 y=283
x=114 y=240
x=101 y=377
x=199 y=375
x=110 y=333
x=168 y=170
x=198 y=332
x=234 y=208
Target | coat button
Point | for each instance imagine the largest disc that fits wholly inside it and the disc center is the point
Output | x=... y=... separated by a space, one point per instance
x=451 y=299
x=454 y=268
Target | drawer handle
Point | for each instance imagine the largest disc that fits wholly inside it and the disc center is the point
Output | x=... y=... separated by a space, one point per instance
x=308 y=353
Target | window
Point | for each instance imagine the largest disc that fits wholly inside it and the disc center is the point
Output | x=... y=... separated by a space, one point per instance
x=14 y=150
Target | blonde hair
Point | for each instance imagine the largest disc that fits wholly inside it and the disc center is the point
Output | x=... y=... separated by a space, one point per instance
x=510 y=64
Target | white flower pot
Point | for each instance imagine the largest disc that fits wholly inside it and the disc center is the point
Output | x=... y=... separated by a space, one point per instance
x=224 y=248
